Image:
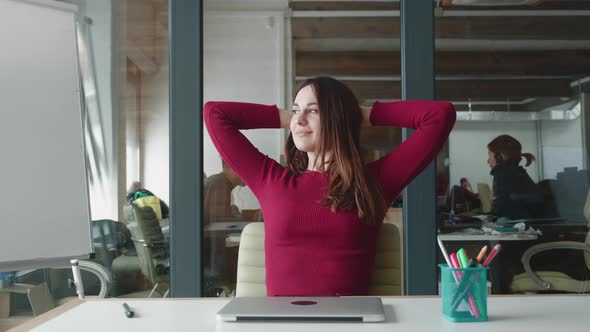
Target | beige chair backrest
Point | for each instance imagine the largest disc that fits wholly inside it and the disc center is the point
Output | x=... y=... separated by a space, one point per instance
x=152 y=202
x=387 y=272
x=251 y=276
x=485 y=196
x=251 y=279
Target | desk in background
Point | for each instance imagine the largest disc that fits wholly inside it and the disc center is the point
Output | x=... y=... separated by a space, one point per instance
x=504 y=266
x=458 y=236
x=225 y=226
x=416 y=314
x=508 y=263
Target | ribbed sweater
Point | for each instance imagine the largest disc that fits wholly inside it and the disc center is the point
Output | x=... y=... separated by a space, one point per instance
x=309 y=249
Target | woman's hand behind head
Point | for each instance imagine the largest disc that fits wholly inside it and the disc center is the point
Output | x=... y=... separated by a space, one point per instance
x=366 y=111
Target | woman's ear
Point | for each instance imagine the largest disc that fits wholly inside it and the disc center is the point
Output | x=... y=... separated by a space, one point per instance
x=498 y=157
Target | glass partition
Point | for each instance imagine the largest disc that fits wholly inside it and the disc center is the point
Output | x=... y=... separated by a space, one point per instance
x=515 y=169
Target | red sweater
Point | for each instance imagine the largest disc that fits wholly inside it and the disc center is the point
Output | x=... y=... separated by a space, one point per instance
x=310 y=250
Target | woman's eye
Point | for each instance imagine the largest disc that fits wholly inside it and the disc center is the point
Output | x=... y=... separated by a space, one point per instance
x=295 y=111
x=313 y=111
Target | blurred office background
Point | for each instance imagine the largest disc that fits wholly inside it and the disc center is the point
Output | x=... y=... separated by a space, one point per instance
x=510 y=67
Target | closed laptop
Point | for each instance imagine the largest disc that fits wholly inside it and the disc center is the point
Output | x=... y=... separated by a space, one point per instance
x=353 y=309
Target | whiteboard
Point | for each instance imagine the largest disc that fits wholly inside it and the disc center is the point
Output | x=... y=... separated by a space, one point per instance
x=44 y=208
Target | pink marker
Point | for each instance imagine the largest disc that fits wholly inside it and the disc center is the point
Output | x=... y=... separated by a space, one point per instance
x=454 y=261
x=492 y=254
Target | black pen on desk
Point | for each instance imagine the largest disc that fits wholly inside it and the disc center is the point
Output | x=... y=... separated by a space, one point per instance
x=128 y=311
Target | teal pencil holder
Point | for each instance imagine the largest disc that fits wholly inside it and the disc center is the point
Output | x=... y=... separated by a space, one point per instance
x=464 y=293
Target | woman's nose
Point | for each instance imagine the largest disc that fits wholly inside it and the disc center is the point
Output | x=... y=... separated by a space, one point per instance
x=302 y=118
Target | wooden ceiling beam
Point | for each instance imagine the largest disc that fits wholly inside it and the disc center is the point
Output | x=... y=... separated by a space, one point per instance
x=541 y=5
x=453 y=63
x=485 y=27
x=462 y=89
x=342 y=5
x=394 y=5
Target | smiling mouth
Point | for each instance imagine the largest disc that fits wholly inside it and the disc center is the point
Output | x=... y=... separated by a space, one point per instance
x=303 y=133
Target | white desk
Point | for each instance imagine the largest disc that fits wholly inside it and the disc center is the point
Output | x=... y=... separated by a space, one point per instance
x=487 y=237
x=227 y=226
x=416 y=314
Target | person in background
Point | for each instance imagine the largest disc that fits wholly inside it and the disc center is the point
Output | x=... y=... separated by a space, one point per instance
x=471 y=198
x=323 y=211
x=461 y=200
x=217 y=191
x=465 y=184
x=136 y=191
x=516 y=195
x=218 y=258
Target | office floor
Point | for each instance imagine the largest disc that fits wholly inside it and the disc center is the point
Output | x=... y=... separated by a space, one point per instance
x=13 y=321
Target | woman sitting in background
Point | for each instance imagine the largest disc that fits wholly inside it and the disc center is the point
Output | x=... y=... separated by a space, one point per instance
x=516 y=195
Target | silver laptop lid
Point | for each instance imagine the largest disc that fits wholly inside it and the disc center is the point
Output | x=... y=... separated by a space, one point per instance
x=360 y=309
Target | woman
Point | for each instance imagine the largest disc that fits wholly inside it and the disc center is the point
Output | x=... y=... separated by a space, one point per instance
x=517 y=196
x=323 y=211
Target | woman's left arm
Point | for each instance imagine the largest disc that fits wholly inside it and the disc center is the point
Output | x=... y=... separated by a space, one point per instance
x=433 y=121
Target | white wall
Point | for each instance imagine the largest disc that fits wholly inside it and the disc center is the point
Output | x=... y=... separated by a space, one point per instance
x=468 y=151
x=561 y=142
x=243 y=61
x=99 y=11
x=156 y=134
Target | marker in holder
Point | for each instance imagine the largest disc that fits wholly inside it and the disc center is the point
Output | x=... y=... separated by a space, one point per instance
x=464 y=293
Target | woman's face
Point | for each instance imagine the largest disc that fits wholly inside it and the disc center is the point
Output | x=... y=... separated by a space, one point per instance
x=305 y=123
x=491 y=159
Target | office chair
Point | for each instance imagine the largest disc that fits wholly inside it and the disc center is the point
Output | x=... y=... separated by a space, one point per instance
x=538 y=281
x=485 y=196
x=251 y=276
x=127 y=276
x=152 y=202
x=126 y=271
x=457 y=201
x=106 y=240
x=151 y=247
x=251 y=273
x=50 y=293
x=387 y=272
x=569 y=191
x=99 y=271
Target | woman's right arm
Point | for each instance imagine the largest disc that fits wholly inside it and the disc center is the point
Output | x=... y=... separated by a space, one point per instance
x=224 y=120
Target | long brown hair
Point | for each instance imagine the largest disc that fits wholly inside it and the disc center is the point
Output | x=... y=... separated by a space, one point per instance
x=506 y=148
x=340 y=124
